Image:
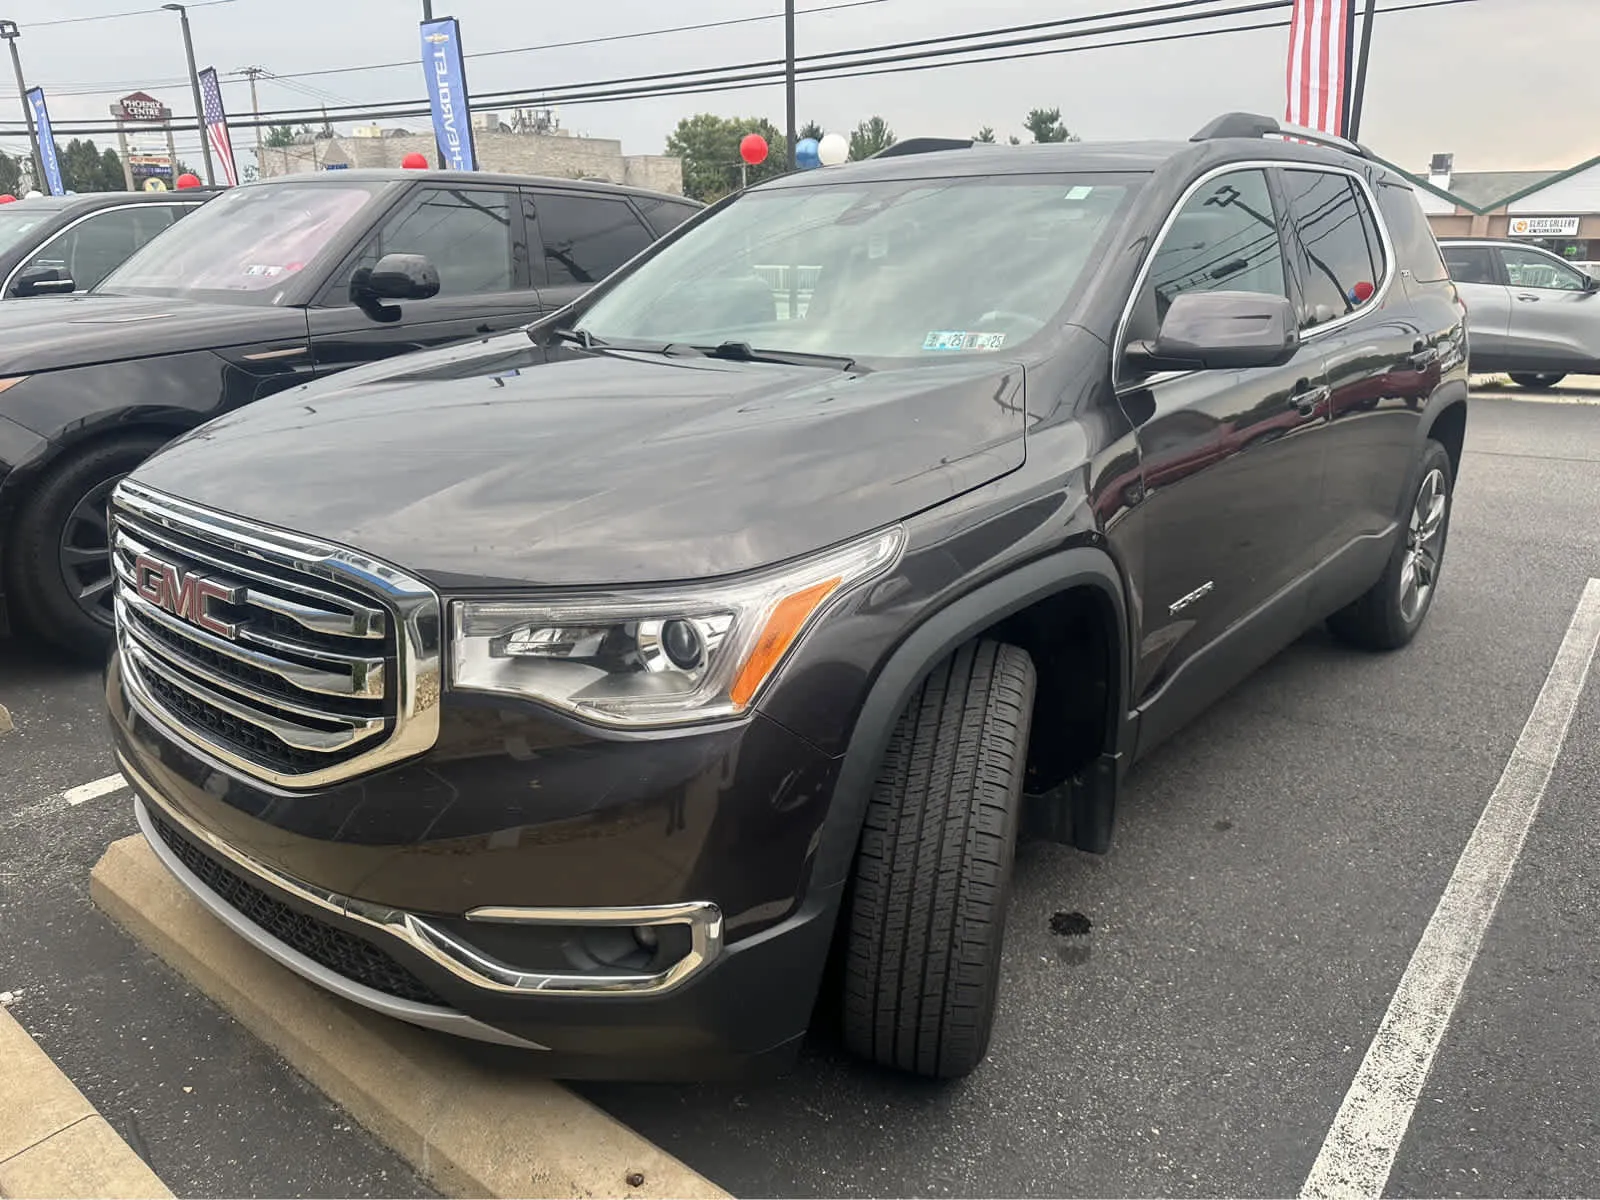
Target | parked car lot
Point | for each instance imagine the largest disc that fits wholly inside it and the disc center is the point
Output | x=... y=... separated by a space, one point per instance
x=1193 y=1034
x=271 y=285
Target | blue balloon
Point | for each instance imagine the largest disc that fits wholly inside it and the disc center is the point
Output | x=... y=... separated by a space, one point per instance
x=806 y=154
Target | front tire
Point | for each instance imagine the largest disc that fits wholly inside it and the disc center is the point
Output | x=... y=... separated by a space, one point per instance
x=932 y=877
x=58 y=563
x=1536 y=381
x=1388 y=616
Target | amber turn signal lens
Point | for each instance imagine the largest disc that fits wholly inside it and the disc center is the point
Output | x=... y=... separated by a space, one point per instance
x=785 y=624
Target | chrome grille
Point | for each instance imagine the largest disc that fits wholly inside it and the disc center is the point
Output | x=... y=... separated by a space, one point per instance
x=292 y=660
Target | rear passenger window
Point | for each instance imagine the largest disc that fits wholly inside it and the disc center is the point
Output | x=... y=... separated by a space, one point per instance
x=1414 y=244
x=665 y=215
x=1224 y=238
x=587 y=237
x=1470 y=264
x=1344 y=262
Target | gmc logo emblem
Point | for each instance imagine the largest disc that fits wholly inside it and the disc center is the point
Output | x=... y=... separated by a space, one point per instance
x=186 y=596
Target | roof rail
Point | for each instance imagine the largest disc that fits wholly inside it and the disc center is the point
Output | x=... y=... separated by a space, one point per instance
x=924 y=145
x=1254 y=125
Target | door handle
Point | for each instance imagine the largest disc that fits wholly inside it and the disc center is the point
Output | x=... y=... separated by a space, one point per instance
x=1423 y=357
x=1308 y=401
x=1527 y=298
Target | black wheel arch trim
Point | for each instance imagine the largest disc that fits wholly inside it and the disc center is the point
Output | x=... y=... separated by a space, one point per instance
x=927 y=645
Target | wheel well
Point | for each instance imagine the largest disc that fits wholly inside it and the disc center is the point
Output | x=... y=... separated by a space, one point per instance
x=1450 y=431
x=1072 y=639
x=12 y=498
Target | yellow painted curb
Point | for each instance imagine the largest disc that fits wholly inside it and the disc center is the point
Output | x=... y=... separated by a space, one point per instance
x=469 y=1125
x=52 y=1141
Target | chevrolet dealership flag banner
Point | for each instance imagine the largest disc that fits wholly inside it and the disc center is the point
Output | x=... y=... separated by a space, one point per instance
x=217 y=126
x=47 y=143
x=1318 y=51
x=447 y=92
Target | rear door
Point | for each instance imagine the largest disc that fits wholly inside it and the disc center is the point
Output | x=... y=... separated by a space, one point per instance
x=1480 y=279
x=1555 y=318
x=1231 y=464
x=474 y=235
x=583 y=236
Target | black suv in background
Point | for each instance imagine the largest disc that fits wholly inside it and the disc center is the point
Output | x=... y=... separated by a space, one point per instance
x=266 y=287
x=583 y=689
x=58 y=245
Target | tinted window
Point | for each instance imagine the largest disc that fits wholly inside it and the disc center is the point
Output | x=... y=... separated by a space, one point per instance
x=1528 y=269
x=587 y=237
x=665 y=215
x=464 y=232
x=1471 y=264
x=98 y=245
x=1339 y=239
x=1414 y=244
x=1224 y=238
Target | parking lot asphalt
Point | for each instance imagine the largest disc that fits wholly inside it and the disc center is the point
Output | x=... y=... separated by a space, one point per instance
x=1274 y=868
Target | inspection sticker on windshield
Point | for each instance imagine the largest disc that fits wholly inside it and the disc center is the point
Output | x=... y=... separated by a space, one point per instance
x=952 y=340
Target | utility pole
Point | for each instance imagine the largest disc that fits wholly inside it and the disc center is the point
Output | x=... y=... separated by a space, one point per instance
x=253 y=74
x=788 y=35
x=427 y=10
x=1358 y=98
x=194 y=88
x=10 y=32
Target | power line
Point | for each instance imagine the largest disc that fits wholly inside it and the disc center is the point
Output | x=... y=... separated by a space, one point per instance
x=136 y=12
x=731 y=79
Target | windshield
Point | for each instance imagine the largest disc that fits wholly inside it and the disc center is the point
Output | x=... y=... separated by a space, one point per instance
x=877 y=269
x=246 y=246
x=14 y=225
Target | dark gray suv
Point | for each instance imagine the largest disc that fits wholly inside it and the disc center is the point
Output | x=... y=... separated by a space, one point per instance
x=586 y=688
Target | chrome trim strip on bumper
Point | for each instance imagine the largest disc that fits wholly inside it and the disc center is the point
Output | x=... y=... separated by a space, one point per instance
x=429 y=1016
x=464 y=961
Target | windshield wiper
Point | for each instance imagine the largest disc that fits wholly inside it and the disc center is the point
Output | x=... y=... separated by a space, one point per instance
x=578 y=337
x=744 y=352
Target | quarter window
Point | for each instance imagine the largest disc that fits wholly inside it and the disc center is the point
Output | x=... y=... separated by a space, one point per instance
x=587 y=237
x=464 y=232
x=1343 y=252
x=1224 y=238
x=1529 y=269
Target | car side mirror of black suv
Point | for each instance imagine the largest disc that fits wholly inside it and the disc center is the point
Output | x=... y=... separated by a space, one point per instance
x=395 y=277
x=1220 y=331
x=43 y=281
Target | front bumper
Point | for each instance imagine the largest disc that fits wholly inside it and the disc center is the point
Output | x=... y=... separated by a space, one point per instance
x=350 y=890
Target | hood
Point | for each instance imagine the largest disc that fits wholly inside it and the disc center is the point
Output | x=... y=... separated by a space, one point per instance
x=490 y=466
x=47 y=333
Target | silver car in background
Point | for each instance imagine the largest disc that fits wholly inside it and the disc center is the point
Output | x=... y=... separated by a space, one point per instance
x=1530 y=313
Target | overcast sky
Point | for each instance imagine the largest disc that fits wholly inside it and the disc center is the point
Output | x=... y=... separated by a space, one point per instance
x=1503 y=84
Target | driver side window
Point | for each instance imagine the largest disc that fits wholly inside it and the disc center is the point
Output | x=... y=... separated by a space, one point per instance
x=1224 y=238
x=464 y=232
x=1526 y=269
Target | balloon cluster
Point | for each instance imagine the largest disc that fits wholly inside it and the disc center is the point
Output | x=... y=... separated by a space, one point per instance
x=830 y=151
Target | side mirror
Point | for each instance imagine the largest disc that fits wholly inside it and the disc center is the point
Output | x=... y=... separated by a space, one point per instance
x=43 y=281
x=396 y=277
x=1221 y=331
x=1590 y=284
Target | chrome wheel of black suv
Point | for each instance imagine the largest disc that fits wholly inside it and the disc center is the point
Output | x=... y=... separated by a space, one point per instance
x=58 y=566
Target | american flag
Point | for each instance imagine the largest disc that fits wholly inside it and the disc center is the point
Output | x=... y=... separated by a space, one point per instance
x=217 y=125
x=1318 y=50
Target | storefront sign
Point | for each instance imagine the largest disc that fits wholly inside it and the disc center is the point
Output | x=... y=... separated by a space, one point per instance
x=1544 y=226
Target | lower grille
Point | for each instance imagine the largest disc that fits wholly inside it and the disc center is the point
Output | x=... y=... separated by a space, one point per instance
x=357 y=960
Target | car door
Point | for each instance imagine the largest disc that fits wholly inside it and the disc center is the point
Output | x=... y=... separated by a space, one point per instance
x=474 y=236
x=1480 y=279
x=583 y=236
x=1555 y=314
x=1231 y=463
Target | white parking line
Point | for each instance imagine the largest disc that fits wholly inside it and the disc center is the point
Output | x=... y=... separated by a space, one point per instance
x=62 y=801
x=1360 y=1149
x=90 y=791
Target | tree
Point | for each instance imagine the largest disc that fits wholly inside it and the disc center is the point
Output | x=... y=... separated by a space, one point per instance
x=985 y=135
x=871 y=136
x=284 y=135
x=708 y=145
x=86 y=168
x=10 y=175
x=1045 y=125
x=811 y=130
x=1014 y=140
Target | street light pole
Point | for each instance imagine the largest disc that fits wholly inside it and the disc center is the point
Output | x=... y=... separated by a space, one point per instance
x=10 y=32
x=788 y=35
x=194 y=88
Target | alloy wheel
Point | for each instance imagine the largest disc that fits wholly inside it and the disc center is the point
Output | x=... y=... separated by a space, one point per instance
x=1424 y=545
x=85 y=553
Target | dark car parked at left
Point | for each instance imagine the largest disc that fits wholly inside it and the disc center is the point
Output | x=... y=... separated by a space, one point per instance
x=266 y=287
x=58 y=245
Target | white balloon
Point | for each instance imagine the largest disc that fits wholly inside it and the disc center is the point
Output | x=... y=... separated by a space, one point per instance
x=833 y=149
x=34 y=195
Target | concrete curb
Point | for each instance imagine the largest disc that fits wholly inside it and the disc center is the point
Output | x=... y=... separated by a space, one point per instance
x=52 y=1141
x=471 y=1127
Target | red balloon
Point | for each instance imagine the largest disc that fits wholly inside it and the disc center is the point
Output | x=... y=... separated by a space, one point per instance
x=188 y=181
x=415 y=162
x=8 y=198
x=753 y=148
x=1363 y=291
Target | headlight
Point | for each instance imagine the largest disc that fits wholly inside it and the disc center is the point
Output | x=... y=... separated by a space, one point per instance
x=661 y=656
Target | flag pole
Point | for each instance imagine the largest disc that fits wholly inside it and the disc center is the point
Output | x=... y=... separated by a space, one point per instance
x=1348 y=66
x=1359 y=95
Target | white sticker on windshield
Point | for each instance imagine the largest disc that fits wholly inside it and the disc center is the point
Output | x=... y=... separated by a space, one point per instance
x=959 y=340
x=1080 y=192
